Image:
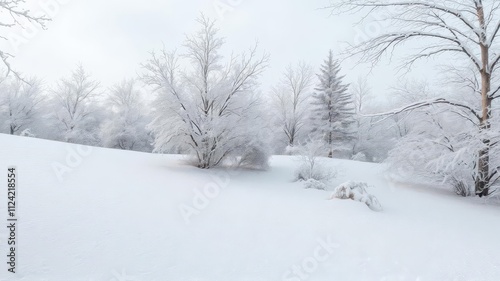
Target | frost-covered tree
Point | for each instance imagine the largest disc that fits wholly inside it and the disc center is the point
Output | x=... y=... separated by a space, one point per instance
x=332 y=109
x=374 y=137
x=14 y=13
x=75 y=109
x=291 y=97
x=361 y=93
x=465 y=29
x=125 y=128
x=20 y=104
x=209 y=110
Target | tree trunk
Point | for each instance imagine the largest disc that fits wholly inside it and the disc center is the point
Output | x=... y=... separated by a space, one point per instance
x=483 y=173
x=330 y=119
x=482 y=179
x=291 y=139
x=330 y=145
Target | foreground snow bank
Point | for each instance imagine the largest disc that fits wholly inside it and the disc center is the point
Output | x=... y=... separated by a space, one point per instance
x=102 y=215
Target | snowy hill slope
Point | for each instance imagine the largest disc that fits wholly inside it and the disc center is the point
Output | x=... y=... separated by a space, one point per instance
x=99 y=214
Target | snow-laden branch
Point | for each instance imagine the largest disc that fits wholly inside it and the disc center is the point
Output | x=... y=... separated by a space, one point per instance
x=249 y=68
x=17 y=13
x=13 y=14
x=378 y=46
x=494 y=34
x=453 y=25
x=432 y=5
x=494 y=62
x=422 y=104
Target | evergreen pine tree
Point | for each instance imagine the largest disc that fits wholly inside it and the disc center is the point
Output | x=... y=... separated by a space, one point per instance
x=332 y=110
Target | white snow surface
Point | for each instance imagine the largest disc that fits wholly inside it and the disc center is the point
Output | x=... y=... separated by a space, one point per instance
x=115 y=216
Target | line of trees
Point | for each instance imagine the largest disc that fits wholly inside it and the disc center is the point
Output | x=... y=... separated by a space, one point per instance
x=197 y=103
x=209 y=106
x=76 y=110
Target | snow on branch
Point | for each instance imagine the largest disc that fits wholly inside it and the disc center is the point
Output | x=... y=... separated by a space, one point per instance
x=422 y=104
x=250 y=67
x=451 y=24
x=495 y=33
x=376 y=47
x=17 y=13
x=356 y=5
x=12 y=7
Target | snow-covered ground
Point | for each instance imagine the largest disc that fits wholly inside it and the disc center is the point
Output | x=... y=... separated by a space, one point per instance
x=100 y=214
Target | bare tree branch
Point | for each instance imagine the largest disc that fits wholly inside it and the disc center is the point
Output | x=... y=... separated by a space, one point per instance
x=15 y=9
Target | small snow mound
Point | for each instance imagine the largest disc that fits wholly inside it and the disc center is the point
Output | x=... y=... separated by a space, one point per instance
x=357 y=192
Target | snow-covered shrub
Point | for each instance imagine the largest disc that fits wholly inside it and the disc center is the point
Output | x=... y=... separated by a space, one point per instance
x=495 y=195
x=292 y=150
x=255 y=156
x=360 y=156
x=315 y=184
x=438 y=151
x=443 y=143
x=462 y=188
x=27 y=133
x=357 y=191
x=312 y=166
x=314 y=169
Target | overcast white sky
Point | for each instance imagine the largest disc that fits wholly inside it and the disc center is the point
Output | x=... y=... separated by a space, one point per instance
x=112 y=37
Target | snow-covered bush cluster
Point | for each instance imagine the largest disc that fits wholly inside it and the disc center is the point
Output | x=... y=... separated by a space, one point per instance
x=440 y=146
x=357 y=191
